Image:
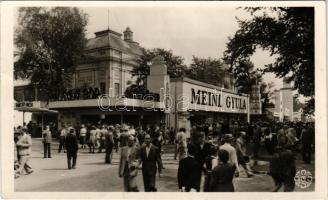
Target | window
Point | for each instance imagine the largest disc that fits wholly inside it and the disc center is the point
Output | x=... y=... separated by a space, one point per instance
x=102 y=52
x=116 y=89
x=103 y=88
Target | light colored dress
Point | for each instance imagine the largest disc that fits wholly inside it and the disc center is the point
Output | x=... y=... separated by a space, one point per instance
x=93 y=137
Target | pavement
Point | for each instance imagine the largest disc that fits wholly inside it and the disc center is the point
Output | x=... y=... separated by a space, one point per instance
x=93 y=175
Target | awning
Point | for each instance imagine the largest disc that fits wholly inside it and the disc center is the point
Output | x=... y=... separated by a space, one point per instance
x=36 y=110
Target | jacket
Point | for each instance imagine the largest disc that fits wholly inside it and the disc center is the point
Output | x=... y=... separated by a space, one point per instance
x=129 y=156
x=187 y=174
x=71 y=143
x=47 y=138
x=221 y=179
x=149 y=162
x=24 y=145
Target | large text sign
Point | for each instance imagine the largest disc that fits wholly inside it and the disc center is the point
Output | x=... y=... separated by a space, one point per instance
x=195 y=97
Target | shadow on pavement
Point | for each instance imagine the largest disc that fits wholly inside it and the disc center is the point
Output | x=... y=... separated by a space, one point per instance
x=56 y=169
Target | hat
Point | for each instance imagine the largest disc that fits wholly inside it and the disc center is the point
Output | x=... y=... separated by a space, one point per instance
x=125 y=128
x=82 y=125
x=227 y=137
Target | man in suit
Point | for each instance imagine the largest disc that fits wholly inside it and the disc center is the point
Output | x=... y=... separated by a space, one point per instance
x=47 y=137
x=109 y=144
x=283 y=169
x=202 y=151
x=307 y=141
x=187 y=171
x=72 y=147
x=150 y=156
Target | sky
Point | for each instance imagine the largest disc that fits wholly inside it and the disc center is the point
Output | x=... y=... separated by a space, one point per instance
x=187 y=31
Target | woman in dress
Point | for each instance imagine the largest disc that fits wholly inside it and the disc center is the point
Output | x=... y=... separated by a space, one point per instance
x=92 y=139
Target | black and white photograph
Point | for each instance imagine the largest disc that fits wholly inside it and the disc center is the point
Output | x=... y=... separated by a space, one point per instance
x=165 y=97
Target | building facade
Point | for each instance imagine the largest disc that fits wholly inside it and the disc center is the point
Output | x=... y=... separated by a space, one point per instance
x=284 y=103
x=107 y=72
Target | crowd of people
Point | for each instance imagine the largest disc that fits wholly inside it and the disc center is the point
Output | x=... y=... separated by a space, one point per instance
x=217 y=152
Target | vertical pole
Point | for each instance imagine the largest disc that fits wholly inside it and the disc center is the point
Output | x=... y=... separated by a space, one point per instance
x=248 y=110
x=41 y=121
x=175 y=107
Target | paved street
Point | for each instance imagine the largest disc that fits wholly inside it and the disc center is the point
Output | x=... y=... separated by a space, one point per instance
x=93 y=175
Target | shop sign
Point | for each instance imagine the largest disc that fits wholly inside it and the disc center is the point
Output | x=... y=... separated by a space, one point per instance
x=255 y=101
x=24 y=104
x=197 y=97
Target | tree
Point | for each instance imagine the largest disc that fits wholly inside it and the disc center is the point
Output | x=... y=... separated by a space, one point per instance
x=175 y=68
x=287 y=33
x=209 y=70
x=50 y=42
x=246 y=76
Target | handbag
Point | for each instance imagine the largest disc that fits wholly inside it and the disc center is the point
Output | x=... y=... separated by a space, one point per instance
x=133 y=171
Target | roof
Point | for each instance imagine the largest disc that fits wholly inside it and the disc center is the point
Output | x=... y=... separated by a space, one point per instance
x=114 y=41
x=36 y=110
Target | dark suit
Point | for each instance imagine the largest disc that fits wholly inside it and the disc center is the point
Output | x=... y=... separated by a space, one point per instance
x=71 y=145
x=149 y=167
x=201 y=155
x=283 y=169
x=221 y=180
x=187 y=174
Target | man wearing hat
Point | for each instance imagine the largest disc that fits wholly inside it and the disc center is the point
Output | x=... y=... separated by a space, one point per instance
x=227 y=140
x=124 y=136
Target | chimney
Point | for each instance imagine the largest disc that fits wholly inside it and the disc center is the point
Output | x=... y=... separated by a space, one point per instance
x=128 y=34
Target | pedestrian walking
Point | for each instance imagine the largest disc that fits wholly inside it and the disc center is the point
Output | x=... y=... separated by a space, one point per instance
x=181 y=144
x=233 y=159
x=62 y=135
x=203 y=151
x=72 y=146
x=222 y=174
x=242 y=157
x=128 y=167
x=24 y=150
x=150 y=157
x=283 y=169
x=210 y=162
x=256 y=140
x=187 y=171
x=307 y=141
x=92 y=139
x=141 y=136
x=109 y=144
x=171 y=135
x=124 y=136
x=46 y=139
x=83 y=136
x=102 y=133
